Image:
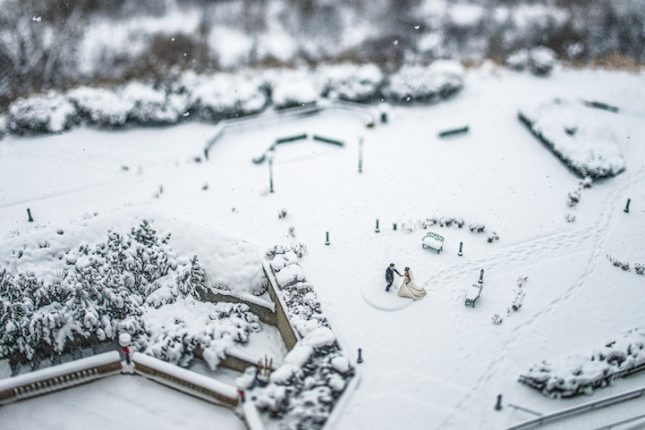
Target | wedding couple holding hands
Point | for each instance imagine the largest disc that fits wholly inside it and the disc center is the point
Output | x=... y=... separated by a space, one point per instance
x=408 y=288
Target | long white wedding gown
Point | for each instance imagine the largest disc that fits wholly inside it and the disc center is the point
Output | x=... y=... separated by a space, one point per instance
x=409 y=289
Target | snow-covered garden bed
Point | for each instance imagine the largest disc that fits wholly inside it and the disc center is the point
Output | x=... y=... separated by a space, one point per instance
x=584 y=373
x=304 y=390
x=578 y=135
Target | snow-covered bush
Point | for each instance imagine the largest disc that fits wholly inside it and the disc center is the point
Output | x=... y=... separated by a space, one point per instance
x=358 y=83
x=539 y=60
x=291 y=88
x=130 y=283
x=584 y=373
x=152 y=105
x=222 y=95
x=101 y=106
x=579 y=136
x=415 y=83
x=51 y=113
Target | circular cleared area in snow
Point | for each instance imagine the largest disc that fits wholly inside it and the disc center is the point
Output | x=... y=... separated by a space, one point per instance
x=376 y=296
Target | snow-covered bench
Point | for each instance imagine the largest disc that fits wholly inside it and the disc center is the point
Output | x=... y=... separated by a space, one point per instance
x=433 y=241
x=473 y=294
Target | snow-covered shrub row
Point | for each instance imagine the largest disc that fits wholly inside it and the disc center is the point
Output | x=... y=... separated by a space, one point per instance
x=303 y=391
x=577 y=135
x=444 y=221
x=639 y=268
x=426 y=84
x=583 y=373
x=51 y=113
x=220 y=96
x=118 y=285
x=539 y=60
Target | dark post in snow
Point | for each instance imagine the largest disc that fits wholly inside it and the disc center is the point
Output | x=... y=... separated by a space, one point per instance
x=394 y=226
x=29 y=217
x=481 y=276
x=271 y=174
x=498 y=404
x=359 y=360
x=626 y=210
x=241 y=395
x=378 y=229
x=461 y=249
x=327 y=242
x=360 y=155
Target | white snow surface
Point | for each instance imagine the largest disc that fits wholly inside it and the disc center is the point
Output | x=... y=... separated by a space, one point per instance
x=429 y=364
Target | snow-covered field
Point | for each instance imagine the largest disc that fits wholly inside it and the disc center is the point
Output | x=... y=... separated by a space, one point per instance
x=429 y=364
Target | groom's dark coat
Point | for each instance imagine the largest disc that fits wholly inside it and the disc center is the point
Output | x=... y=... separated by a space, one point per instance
x=389 y=274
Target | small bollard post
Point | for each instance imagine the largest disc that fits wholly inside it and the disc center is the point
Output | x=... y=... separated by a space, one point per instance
x=29 y=217
x=498 y=404
x=378 y=229
x=461 y=249
x=360 y=155
x=327 y=242
x=481 y=276
x=626 y=210
x=359 y=360
x=271 y=175
x=394 y=226
x=241 y=395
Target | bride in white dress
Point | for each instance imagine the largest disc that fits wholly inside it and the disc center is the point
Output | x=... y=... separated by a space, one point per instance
x=409 y=289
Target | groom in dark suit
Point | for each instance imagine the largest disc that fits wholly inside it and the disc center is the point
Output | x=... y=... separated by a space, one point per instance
x=389 y=276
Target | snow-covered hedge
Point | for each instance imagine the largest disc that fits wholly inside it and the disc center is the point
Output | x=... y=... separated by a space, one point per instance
x=291 y=88
x=101 y=106
x=427 y=84
x=357 y=83
x=152 y=105
x=213 y=97
x=584 y=373
x=539 y=60
x=222 y=95
x=130 y=283
x=303 y=391
x=578 y=135
x=52 y=113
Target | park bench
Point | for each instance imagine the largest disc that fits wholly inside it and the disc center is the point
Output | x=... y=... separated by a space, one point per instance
x=473 y=294
x=433 y=241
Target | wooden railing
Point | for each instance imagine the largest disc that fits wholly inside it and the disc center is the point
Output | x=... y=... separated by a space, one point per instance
x=576 y=410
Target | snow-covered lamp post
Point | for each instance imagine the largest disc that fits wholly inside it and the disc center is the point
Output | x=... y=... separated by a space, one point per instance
x=271 y=173
x=125 y=340
x=360 y=155
x=327 y=242
x=359 y=360
x=378 y=228
x=481 y=276
x=461 y=249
